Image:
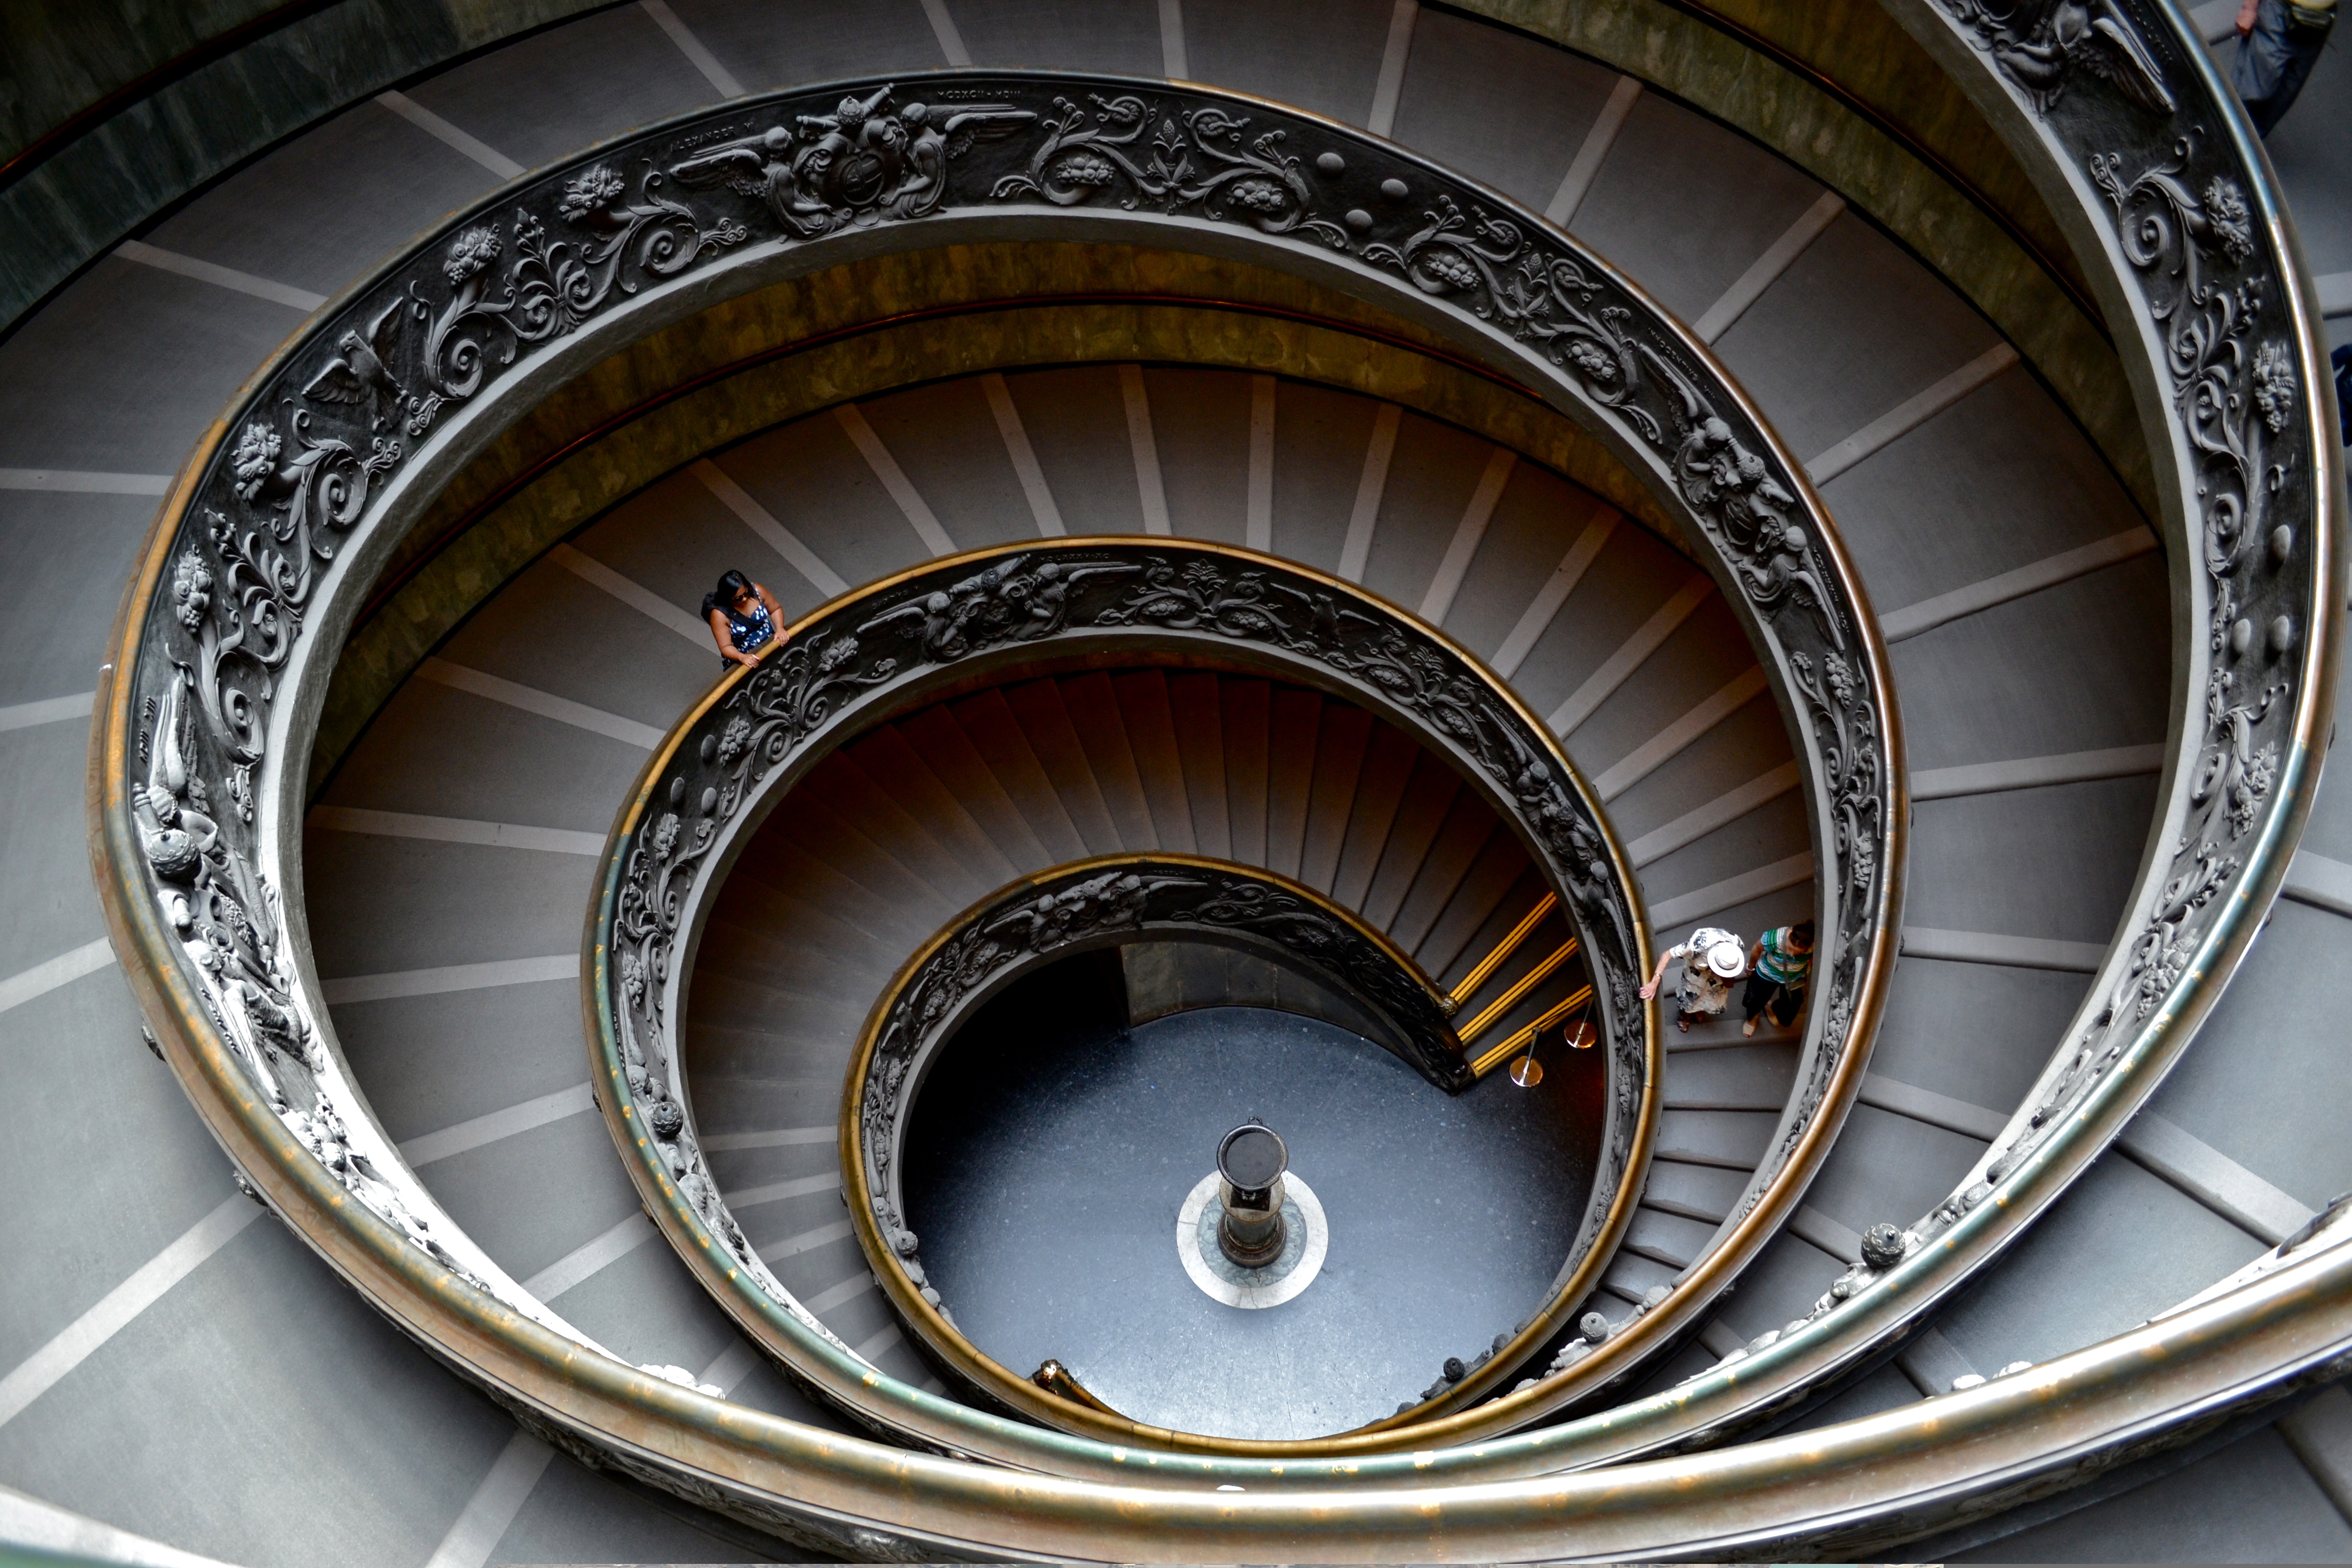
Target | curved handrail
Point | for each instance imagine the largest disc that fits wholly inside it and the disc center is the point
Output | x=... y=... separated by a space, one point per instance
x=292 y=504
x=1038 y=920
x=881 y=649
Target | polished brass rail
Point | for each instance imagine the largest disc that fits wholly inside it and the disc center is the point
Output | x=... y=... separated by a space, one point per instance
x=1487 y=1061
x=1479 y=971
x=718 y=771
x=1493 y=1011
x=327 y=1169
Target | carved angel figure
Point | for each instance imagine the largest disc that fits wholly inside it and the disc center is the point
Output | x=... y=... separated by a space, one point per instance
x=2081 y=34
x=861 y=161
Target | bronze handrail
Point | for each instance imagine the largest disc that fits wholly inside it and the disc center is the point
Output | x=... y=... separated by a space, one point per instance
x=293 y=502
x=1119 y=897
x=886 y=646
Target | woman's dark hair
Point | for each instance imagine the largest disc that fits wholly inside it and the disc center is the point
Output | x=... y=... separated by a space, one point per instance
x=732 y=586
x=1800 y=936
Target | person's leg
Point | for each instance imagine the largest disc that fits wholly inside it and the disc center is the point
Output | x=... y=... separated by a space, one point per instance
x=2305 y=48
x=1787 y=1005
x=2263 y=56
x=2341 y=360
x=2266 y=113
x=1754 y=999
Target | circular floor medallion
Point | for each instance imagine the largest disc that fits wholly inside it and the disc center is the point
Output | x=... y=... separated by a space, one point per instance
x=1270 y=1285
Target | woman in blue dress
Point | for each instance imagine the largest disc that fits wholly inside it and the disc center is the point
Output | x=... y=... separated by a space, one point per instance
x=743 y=617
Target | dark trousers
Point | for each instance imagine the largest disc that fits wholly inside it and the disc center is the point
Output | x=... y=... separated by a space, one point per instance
x=1782 y=1001
x=2273 y=60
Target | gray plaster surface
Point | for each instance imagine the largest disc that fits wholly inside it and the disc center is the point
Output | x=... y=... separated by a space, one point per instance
x=2272 y=1027
x=1780 y=1286
x=1687 y=205
x=812 y=479
x=1698 y=659
x=50 y=907
x=2251 y=1501
x=290 y=1403
x=1976 y=1032
x=319 y=210
x=646 y=1308
x=1200 y=423
x=1433 y=471
x=429 y=1062
x=531 y=1198
x=2070 y=853
x=1319 y=438
x=824 y=39
x=1117 y=35
x=673 y=538
x=1497 y=105
x=1632 y=576
x=1077 y=422
x=1984 y=689
x=145 y=1169
x=2121 y=1247
x=1322 y=55
x=1745 y=1076
x=1539 y=516
x=945 y=440
x=66 y=557
x=1750 y=740
x=437 y=752
x=553 y=631
x=1889 y=1169
x=1852 y=329
x=383 y=905
x=1928 y=514
x=551 y=92
x=1774 y=831
x=121 y=372
x=1045 y=1183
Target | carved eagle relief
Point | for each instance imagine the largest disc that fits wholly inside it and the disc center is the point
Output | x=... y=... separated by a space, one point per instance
x=362 y=373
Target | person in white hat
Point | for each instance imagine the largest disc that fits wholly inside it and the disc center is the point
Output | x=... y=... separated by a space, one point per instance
x=1712 y=959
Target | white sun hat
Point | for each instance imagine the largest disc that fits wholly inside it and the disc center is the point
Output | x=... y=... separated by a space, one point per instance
x=1726 y=959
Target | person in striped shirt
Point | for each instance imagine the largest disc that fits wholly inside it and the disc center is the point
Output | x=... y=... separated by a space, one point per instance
x=1778 y=966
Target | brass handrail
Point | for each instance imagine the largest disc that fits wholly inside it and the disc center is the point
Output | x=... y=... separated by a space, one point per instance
x=717 y=772
x=1542 y=970
x=932 y=995
x=251 y=637
x=1495 y=1055
x=1479 y=971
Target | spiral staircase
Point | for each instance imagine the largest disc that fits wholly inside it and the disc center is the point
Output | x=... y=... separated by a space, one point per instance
x=1523 y=479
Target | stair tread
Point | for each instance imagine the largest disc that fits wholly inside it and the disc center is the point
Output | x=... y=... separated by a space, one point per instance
x=1053 y=740
x=1390 y=761
x=1196 y=731
x=1244 y=714
x=1342 y=739
x=1294 y=719
x=1144 y=706
x=886 y=753
x=1462 y=837
x=997 y=739
x=1097 y=719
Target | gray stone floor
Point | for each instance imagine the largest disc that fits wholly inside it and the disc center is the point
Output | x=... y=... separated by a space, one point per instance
x=1045 y=1167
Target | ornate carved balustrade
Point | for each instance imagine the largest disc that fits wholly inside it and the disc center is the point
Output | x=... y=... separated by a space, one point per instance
x=890 y=646
x=283 y=519
x=1041 y=920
